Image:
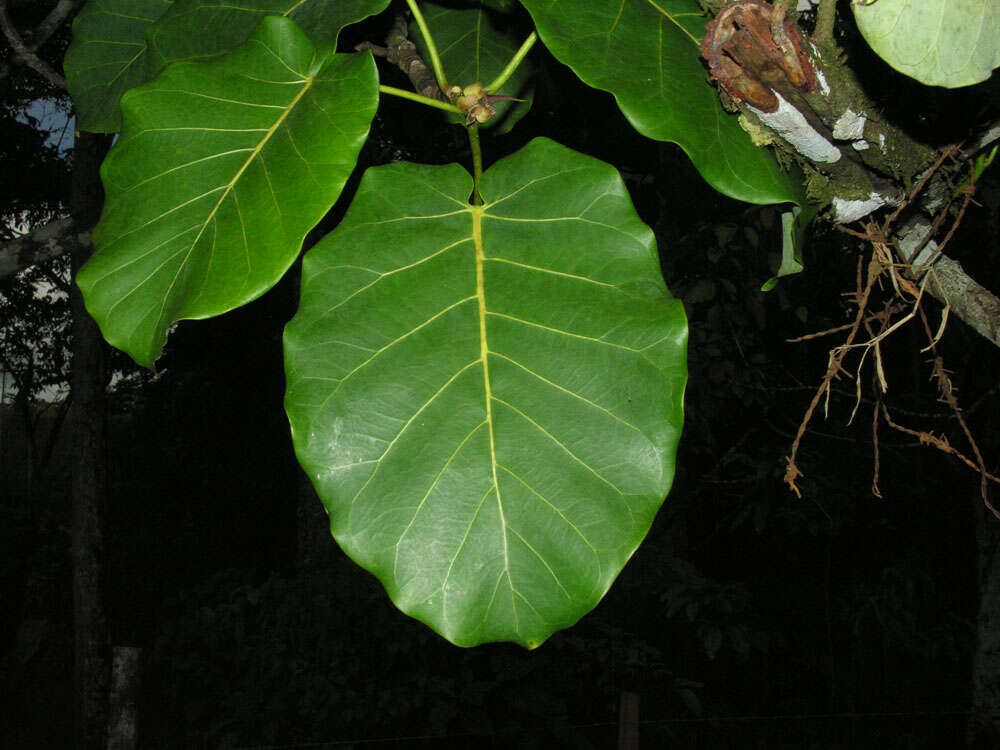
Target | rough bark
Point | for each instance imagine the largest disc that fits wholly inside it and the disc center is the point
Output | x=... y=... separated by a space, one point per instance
x=969 y=300
x=48 y=241
x=984 y=727
x=56 y=17
x=25 y=52
x=401 y=52
x=91 y=656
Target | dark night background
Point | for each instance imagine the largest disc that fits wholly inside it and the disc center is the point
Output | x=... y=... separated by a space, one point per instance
x=749 y=618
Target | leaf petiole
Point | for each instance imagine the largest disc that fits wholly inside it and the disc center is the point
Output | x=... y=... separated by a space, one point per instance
x=414 y=97
x=432 y=52
x=511 y=66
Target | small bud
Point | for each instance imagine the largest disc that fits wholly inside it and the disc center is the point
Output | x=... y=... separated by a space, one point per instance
x=480 y=113
x=474 y=90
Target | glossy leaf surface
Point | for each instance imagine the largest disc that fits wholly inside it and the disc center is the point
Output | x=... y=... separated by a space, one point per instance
x=488 y=399
x=474 y=48
x=939 y=42
x=220 y=171
x=647 y=55
x=108 y=57
x=201 y=29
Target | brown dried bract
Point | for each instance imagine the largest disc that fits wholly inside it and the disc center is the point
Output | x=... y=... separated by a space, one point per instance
x=752 y=49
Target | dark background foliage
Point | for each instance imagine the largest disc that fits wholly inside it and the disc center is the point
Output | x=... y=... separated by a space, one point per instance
x=749 y=618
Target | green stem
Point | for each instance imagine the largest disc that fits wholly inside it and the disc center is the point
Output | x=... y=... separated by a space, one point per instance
x=404 y=94
x=477 y=163
x=432 y=52
x=509 y=69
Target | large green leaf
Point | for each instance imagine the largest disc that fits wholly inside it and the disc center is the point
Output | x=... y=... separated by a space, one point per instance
x=939 y=42
x=474 y=47
x=220 y=171
x=201 y=29
x=488 y=399
x=108 y=57
x=646 y=54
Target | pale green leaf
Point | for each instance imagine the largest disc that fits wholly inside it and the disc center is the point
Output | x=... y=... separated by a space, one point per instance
x=646 y=54
x=939 y=42
x=201 y=29
x=474 y=46
x=488 y=399
x=220 y=171
x=107 y=57
x=794 y=225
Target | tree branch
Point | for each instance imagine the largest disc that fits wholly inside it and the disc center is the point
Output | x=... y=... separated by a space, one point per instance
x=26 y=52
x=52 y=21
x=807 y=102
x=401 y=52
x=976 y=305
x=826 y=18
x=44 y=243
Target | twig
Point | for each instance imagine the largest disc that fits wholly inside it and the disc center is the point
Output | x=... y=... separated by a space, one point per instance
x=46 y=28
x=826 y=18
x=432 y=52
x=402 y=53
x=53 y=21
x=25 y=52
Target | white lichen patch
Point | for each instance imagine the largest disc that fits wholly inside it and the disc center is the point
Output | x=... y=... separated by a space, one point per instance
x=824 y=87
x=845 y=211
x=850 y=126
x=792 y=125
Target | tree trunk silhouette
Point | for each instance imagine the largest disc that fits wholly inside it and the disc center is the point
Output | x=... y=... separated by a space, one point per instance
x=984 y=728
x=87 y=424
x=123 y=710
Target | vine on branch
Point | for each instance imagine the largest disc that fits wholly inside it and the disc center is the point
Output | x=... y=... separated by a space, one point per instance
x=909 y=283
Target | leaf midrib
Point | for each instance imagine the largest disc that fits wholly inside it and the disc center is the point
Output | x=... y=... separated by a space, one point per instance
x=484 y=350
x=308 y=82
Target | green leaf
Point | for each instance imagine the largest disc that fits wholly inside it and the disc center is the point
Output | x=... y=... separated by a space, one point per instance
x=939 y=42
x=647 y=55
x=107 y=57
x=473 y=47
x=220 y=171
x=488 y=399
x=201 y=29
x=794 y=224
